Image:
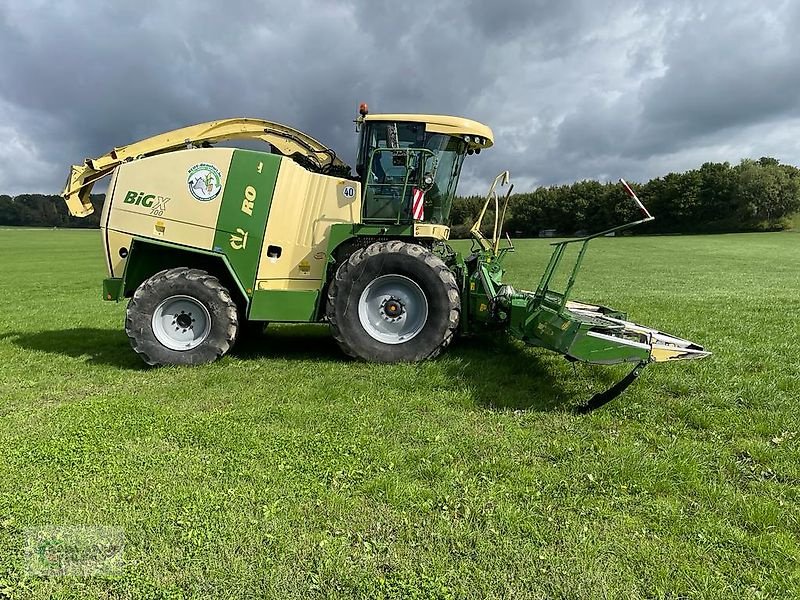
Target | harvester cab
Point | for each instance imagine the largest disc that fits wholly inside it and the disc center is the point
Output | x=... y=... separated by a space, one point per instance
x=205 y=241
x=409 y=165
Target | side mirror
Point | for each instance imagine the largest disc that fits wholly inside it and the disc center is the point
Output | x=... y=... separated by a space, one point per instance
x=429 y=166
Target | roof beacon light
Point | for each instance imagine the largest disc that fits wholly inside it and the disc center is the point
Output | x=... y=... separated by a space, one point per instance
x=363 y=109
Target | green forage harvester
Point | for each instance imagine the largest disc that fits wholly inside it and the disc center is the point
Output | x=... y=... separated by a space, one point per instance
x=203 y=240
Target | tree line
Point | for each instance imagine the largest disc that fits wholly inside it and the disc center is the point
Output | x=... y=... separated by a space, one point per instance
x=41 y=210
x=755 y=195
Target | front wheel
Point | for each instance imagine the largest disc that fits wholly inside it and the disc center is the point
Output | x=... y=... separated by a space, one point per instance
x=181 y=316
x=393 y=302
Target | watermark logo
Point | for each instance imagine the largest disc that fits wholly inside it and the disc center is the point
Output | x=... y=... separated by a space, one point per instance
x=78 y=551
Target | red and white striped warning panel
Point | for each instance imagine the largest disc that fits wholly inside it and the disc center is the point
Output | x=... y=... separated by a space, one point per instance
x=417 y=204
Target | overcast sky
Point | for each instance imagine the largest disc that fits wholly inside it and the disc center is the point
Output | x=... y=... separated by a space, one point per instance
x=572 y=89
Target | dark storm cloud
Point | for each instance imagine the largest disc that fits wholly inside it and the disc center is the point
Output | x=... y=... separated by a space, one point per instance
x=719 y=72
x=728 y=68
x=572 y=89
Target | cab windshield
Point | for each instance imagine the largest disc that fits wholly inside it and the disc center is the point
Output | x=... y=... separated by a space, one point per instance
x=396 y=158
x=449 y=153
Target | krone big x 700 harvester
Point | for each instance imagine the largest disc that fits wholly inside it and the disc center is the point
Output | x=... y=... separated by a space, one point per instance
x=203 y=240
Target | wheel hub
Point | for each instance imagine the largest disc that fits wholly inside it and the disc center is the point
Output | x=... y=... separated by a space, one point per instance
x=393 y=309
x=181 y=323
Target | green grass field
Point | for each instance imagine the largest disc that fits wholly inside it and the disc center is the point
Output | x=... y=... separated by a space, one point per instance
x=287 y=471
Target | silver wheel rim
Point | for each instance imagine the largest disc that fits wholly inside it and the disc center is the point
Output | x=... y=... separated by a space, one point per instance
x=393 y=309
x=181 y=323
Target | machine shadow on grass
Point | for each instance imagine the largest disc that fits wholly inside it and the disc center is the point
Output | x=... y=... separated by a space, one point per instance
x=302 y=341
x=111 y=346
x=504 y=374
x=501 y=373
x=96 y=346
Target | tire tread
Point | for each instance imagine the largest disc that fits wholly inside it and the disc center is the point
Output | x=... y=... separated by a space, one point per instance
x=343 y=276
x=149 y=286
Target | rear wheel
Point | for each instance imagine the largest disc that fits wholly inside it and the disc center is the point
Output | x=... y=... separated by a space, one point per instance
x=393 y=302
x=181 y=316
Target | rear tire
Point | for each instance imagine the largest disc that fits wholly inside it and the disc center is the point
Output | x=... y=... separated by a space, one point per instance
x=181 y=316
x=393 y=302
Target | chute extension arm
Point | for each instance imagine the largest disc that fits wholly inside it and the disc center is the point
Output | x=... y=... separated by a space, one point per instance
x=286 y=140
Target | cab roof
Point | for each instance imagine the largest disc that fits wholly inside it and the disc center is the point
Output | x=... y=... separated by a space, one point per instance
x=480 y=136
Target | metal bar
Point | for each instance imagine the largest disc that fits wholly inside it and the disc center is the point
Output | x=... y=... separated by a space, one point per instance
x=496 y=216
x=560 y=246
x=498 y=234
x=405 y=183
x=647 y=218
x=555 y=258
x=488 y=284
x=635 y=198
x=604 y=232
x=573 y=276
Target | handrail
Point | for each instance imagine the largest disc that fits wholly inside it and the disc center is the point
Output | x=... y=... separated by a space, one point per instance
x=491 y=195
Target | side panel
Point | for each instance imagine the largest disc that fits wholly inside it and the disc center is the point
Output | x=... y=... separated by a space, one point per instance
x=114 y=264
x=298 y=306
x=429 y=230
x=152 y=197
x=245 y=208
x=209 y=199
x=119 y=245
x=304 y=207
x=112 y=184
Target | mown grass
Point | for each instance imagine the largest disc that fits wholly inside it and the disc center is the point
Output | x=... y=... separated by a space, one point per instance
x=287 y=471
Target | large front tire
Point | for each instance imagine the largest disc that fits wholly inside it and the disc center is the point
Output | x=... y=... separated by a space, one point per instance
x=181 y=316
x=393 y=302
